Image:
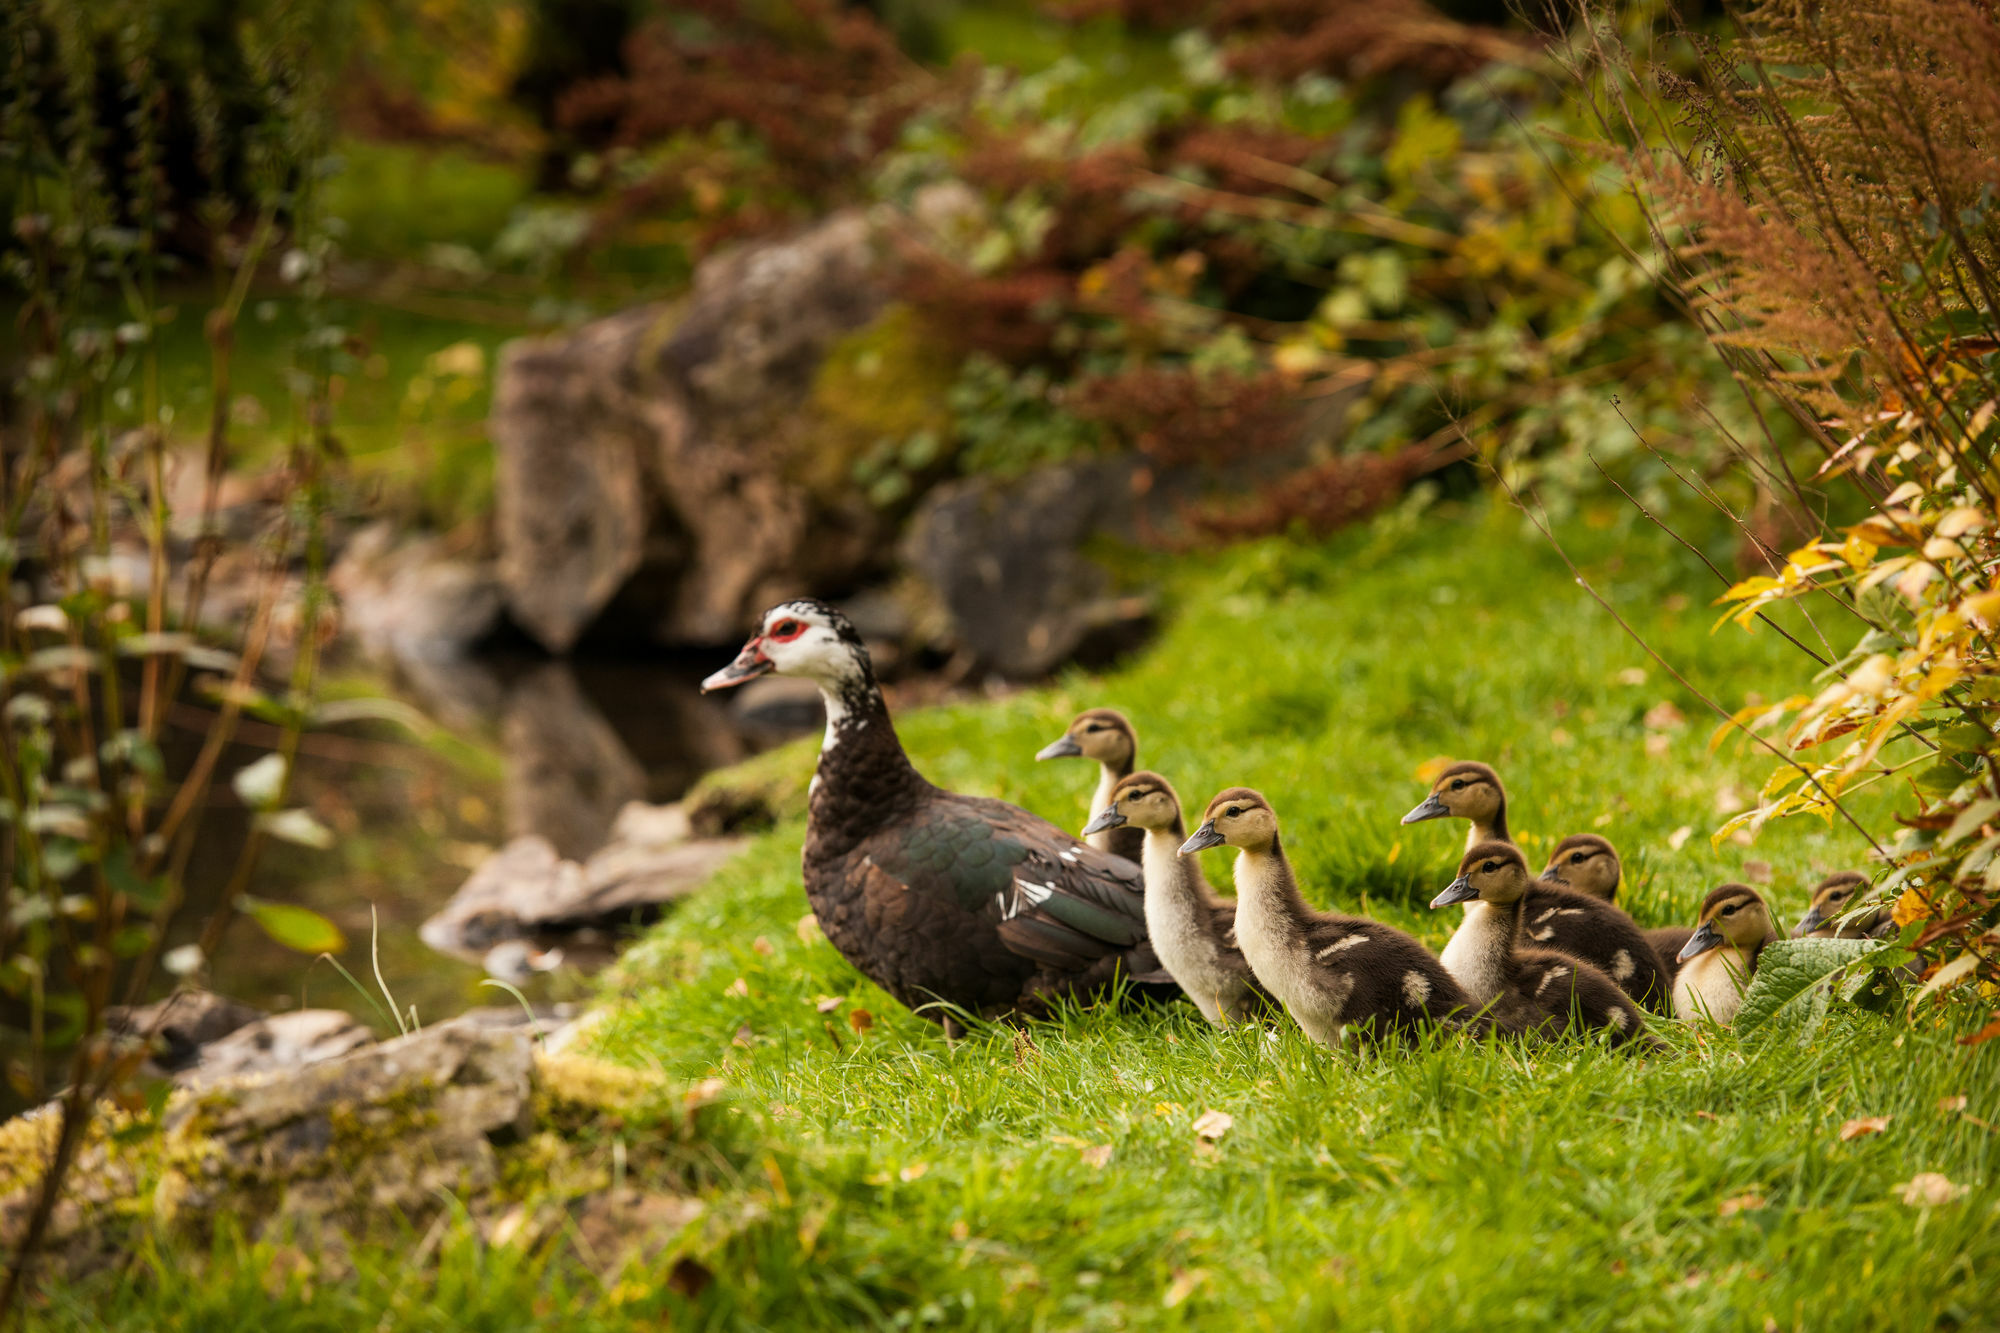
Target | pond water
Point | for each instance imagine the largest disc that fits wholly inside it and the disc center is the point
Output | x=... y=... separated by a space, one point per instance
x=526 y=745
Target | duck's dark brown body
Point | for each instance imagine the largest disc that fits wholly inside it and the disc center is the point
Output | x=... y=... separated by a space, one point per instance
x=1600 y=934
x=936 y=896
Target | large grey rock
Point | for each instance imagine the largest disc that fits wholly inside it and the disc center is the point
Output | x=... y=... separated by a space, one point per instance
x=655 y=452
x=527 y=890
x=181 y=1024
x=387 y=1126
x=1005 y=561
x=279 y=1043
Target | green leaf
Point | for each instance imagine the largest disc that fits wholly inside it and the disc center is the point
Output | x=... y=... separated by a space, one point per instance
x=1789 y=975
x=1964 y=739
x=1969 y=820
x=1939 y=779
x=297 y=928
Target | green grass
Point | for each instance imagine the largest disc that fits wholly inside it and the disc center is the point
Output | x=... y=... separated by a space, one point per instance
x=883 y=1177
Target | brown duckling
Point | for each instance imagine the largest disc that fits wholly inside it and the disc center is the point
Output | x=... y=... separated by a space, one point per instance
x=1586 y=863
x=1571 y=923
x=1105 y=735
x=1534 y=990
x=1835 y=894
x=1332 y=972
x=1719 y=959
x=1193 y=929
x=1467 y=791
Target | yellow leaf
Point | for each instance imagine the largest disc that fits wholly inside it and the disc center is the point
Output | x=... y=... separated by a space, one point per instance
x=1748 y=588
x=1910 y=907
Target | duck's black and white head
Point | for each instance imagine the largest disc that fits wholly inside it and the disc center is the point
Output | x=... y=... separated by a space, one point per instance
x=1143 y=800
x=811 y=639
x=1836 y=894
x=1735 y=915
x=1463 y=791
x=1585 y=863
x=1239 y=817
x=1103 y=734
x=1492 y=872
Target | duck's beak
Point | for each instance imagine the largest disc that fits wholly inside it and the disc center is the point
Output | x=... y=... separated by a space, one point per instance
x=749 y=664
x=1107 y=818
x=1704 y=939
x=1204 y=837
x=1550 y=876
x=1459 y=890
x=1808 y=923
x=1432 y=808
x=1060 y=748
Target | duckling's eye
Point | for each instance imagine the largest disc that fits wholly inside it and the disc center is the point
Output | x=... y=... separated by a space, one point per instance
x=1233 y=811
x=785 y=630
x=1731 y=910
x=1490 y=867
x=1457 y=783
x=1095 y=726
x=1576 y=858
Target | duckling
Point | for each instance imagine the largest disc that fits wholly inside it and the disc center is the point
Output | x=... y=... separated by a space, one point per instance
x=1467 y=791
x=1332 y=972
x=1192 y=929
x=1718 y=961
x=1586 y=863
x=1832 y=898
x=1571 y=923
x=1105 y=735
x=1537 y=990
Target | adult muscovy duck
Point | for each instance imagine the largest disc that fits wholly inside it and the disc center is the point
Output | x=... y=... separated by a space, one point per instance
x=936 y=896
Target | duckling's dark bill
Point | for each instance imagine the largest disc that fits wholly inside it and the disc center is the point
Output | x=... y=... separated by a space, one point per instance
x=1459 y=890
x=1432 y=808
x=1060 y=748
x=1808 y=923
x=1708 y=937
x=1108 y=818
x=1203 y=837
x=749 y=664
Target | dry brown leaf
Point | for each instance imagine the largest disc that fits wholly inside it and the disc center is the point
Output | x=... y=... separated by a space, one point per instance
x=1757 y=872
x=738 y=989
x=860 y=1020
x=762 y=946
x=1747 y=1202
x=702 y=1093
x=1097 y=1155
x=826 y=1004
x=1928 y=1189
x=1212 y=1125
x=914 y=1171
x=1867 y=1124
x=1949 y=1104
x=1183 y=1285
x=1632 y=676
x=808 y=929
x=1663 y=716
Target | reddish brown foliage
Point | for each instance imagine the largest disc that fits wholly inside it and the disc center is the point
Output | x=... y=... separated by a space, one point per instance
x=1012 y=316
x=1176 y=415
x=813 y=80
x=1283 y=39
x=1320 y=498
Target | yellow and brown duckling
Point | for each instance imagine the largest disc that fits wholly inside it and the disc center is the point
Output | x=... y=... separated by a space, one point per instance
x=1192 y=928
x=1539 y=991
x=1105 y=735
x=1557 y=917
x=1834 y=896
x=1720 y=957
x=1467 y=791
x=1333 y=973
x=1586 y=863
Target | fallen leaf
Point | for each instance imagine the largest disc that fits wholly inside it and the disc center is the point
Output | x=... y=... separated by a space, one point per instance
x=1212 y=1125
x=1657 y=744
x=1728 y=801
x=702 y=1093
x=1928 y=1189
x=1867 y=1124
x=509 y=1226
x=1663 y=716
x=1678 y=838
x=1985 y=1034
x=860 y=1020
x=743 y=1037
x=738 y=989
x=960 y=1232
x=1949 y=1104
x=1757 y=872
x=1910 y=906
x=1705 y=1115
x=808 y=929
x=1632 y=676
x=1747 y=1202
x=914 y=1171
x=1183 y=1285
x=763 y=946
x=1097 y=1156
x=1560 y=738
x=826 y=1004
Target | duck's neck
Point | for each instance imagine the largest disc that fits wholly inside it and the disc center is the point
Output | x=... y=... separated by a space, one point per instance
x=1109 y=775
x=1483 y=949
x=1175 y=889
x=1490 y=830
x=864 y=780
x=1269 y=905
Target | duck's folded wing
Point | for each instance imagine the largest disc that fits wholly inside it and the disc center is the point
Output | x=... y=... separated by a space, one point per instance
x=1070 y=905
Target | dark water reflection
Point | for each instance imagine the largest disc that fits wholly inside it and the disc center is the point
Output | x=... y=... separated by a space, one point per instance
x=528 y=745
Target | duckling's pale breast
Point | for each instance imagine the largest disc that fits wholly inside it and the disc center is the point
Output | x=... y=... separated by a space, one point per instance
x=1181 y=928
x=1476 y=953
x=1712 y=985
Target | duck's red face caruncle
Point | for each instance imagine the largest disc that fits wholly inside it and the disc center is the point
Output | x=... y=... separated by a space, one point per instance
x=797 y=639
